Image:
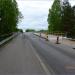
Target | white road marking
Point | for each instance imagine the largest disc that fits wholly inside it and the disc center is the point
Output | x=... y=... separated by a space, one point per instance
x=41 y=62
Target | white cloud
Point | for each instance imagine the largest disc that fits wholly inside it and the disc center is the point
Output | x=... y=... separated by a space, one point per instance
x=72 y=2
x=35 y=13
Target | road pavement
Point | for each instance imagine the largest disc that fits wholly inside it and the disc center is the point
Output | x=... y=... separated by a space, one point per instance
x=29 y=54
x=17 y=57
x=59 y=61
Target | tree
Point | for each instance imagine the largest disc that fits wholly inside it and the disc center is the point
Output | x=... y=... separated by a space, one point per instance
x=9 y=15
x=54 y=17
x=50 y=26
x=72 y=32
x=62 y=18
x=30 y=30
x=67 y=19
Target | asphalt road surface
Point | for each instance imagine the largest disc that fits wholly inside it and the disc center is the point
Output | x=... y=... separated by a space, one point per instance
x=57 y=61
x=17 y=57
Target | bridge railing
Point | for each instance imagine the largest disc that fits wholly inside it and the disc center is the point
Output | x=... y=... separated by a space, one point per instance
x=4 y=36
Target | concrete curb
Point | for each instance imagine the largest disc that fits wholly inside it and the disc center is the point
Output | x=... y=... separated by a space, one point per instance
x=7 y=39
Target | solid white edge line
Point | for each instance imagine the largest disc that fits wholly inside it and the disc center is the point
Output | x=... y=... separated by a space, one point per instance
x=41 y=62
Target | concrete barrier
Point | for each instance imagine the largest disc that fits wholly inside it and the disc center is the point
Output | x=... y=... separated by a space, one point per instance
x=7 y=39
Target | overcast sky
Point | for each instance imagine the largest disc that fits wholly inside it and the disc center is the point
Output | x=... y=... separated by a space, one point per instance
x=35 y=13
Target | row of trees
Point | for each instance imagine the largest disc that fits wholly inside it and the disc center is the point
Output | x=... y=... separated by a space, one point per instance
x=9 y=16
x=30 y=30
x=61 y=18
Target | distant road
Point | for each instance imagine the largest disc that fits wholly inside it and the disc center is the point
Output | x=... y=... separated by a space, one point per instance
x=59 y=62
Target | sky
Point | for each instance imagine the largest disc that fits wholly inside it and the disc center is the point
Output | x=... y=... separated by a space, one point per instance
x=35 y=13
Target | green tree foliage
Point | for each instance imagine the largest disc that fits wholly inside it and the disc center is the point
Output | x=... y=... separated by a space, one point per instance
x=54 y=17
x=66 y=17
x=62 y=18
x=30 y=30
x=68 y=20
x=43 y=31
x=72 y=32
x=9 y=15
